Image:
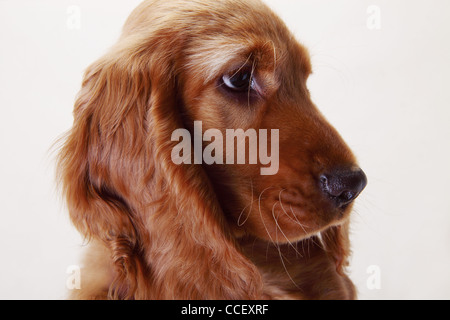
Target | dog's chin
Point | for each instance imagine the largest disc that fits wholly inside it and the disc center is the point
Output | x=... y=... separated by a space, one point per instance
x=284 y=221
x=305 y=225
x=313 y=234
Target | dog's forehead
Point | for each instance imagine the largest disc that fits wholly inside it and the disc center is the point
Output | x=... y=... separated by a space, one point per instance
x=226 y=37
x=214 y=34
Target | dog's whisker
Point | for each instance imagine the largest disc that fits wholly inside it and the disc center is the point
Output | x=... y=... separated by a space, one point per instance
x=238 y=70
x=239 y=223
x=279 y=227
x=273 y=242
x=251 y=81
x=260 y=214
x=274 y=53
x=298 y=221
x=249 y=211
x=282 y=208
x=295 y=219
x=282 y=258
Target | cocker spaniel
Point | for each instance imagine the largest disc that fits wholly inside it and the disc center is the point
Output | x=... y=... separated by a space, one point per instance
x=192 y=228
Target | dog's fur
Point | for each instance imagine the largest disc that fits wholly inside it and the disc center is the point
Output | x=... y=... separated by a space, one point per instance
x=165 y=231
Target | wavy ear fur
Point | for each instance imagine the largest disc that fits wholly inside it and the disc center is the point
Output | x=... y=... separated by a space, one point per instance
x=161 y=223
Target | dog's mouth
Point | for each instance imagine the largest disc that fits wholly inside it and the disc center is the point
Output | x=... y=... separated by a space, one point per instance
x=288 y=212
x=290 y=215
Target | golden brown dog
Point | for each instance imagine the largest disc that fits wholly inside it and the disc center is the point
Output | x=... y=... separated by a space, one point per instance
x=162 y=230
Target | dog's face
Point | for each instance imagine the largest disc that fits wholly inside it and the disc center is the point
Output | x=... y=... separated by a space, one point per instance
x=231 y=65
x=246 y=71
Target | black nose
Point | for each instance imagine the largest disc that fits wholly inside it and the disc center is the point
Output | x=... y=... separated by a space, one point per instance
x=343 y=185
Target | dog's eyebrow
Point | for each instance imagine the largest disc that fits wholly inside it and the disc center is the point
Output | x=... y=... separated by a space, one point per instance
x=210 y=60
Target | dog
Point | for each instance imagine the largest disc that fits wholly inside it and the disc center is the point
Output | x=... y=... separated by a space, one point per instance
x=165 y=230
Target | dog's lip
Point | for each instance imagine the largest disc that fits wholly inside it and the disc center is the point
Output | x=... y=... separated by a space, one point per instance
x=296 y=212
x=292 y=204
x=307 y=217
x=297 y=209
x=291 y=196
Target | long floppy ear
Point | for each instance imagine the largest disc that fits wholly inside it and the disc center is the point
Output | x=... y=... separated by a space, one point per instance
x=102 y=154
x=161 y=222
x=337 y=244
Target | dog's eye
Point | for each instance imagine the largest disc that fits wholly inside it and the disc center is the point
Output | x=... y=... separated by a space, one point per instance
x=239 y=81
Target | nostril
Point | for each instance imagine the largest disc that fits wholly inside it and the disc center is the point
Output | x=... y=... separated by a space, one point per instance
x=347 y=196
x=323 y=181
x=343 y=186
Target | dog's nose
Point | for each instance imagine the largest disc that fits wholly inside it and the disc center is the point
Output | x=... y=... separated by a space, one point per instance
x=343 y=185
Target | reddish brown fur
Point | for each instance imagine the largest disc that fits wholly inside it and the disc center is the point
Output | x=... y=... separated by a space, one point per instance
x=162 y=231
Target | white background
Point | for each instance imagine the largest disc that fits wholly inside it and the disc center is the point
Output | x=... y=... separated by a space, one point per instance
x=386 y=90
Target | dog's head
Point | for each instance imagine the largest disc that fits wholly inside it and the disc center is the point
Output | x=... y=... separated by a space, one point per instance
x=244 y=70
x=229 y=65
